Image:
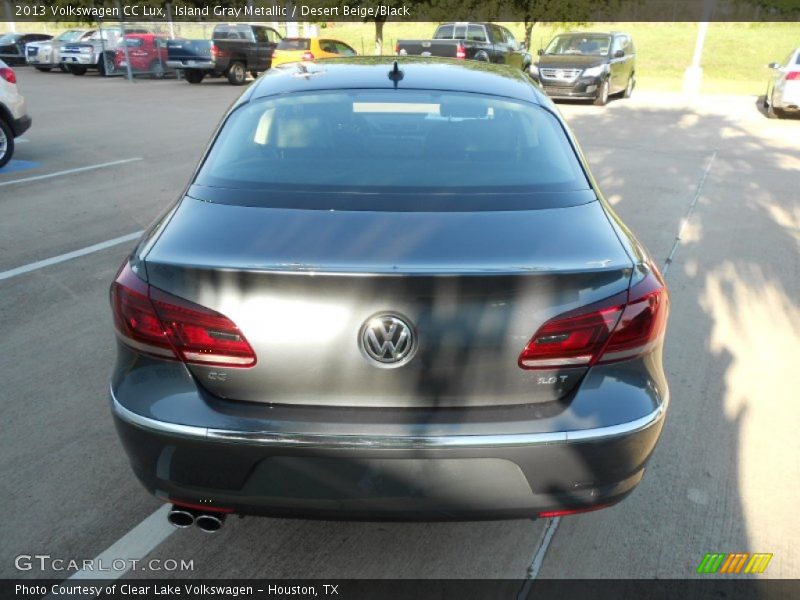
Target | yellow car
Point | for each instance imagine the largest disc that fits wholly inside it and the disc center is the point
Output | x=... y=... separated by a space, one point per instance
x=297 y=49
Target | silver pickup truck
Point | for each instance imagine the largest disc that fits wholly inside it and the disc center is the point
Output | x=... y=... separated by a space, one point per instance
x=97 y=52
x=46 y=55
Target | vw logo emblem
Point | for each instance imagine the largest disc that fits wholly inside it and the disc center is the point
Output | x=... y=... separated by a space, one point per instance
x=388 y=340
x=559 y=74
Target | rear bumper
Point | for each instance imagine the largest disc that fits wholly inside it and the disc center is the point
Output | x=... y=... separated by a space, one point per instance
x=21 y=125
x=191 y=64
x=84 y=60
x=787 y=97
x=277 y=467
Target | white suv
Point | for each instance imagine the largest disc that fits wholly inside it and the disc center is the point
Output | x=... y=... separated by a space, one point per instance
x=14 y=118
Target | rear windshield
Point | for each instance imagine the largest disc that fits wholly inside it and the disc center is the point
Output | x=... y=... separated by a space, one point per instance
x=403 y=141
x=134 y=42
x=294 y=44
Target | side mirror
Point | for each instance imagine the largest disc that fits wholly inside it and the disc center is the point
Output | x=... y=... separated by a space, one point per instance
x=774 y=65
x=540 y=51
x=619 y=53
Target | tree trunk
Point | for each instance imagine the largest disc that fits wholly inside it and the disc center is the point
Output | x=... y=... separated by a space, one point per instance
x=379 y=35
x=528 y=29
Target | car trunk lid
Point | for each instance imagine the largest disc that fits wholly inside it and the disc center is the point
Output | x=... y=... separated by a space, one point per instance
x=473 y=286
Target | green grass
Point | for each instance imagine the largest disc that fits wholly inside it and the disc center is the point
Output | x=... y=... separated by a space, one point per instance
x=734 y=56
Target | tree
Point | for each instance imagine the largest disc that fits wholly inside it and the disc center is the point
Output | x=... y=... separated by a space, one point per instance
x=531 y=12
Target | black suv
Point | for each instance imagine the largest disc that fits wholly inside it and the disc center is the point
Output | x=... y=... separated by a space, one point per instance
x=587 y=66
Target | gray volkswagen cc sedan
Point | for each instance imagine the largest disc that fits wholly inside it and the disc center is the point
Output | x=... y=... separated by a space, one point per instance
x=391 y=290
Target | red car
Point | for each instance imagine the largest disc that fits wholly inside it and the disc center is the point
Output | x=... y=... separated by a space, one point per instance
x=147 y=53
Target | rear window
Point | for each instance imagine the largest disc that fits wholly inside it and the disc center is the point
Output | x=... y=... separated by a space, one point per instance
x=445 y=32
x=294 y=44
x=400 y=141
x=233 y=32
x=134 y=42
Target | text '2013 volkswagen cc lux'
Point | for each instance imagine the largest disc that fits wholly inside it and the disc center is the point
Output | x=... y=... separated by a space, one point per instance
x=391 y=290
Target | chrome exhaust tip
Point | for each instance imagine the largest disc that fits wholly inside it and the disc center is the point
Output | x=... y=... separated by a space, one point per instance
x=210 y=523
x=180 y=518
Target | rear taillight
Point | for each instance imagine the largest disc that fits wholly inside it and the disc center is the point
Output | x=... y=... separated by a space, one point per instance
x=793 y=76
x=8 y=74
x=308 y=56
x=549 y=514
x=643 y=322
x=625 y=326
x=215 y=50
x=461 y=51
x=397 y=48
x=157 y=323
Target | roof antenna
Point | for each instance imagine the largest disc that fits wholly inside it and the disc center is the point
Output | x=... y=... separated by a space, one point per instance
x=396 y=74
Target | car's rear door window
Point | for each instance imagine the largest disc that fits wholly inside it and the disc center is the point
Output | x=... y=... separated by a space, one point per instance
x=476 y=33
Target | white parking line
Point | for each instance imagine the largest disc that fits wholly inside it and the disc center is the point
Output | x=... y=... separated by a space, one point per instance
x=133 y=546
x=70 y=171
x=688 y=216
x=54 y=260
x=21 y=141
x=541 y=551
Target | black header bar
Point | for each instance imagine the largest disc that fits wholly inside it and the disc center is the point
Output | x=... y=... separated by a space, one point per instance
x=87 y=11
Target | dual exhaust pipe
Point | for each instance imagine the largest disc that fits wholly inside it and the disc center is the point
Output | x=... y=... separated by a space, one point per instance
x=209 y=522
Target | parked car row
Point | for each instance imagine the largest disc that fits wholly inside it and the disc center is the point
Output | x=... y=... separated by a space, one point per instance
x=591 y=66
x=12 y=46
x=46 y=55
x=234 y=50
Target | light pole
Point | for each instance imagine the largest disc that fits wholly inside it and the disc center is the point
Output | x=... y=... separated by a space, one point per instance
x=693 y=76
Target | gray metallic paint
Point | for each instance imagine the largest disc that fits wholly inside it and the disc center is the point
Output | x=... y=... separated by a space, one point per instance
x=543 y=263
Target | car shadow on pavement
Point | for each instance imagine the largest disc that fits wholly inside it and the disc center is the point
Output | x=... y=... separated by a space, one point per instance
x=721 y=479
x=763 y=110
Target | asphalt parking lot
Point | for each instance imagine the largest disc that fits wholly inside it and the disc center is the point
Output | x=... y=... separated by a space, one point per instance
x=710 y=186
